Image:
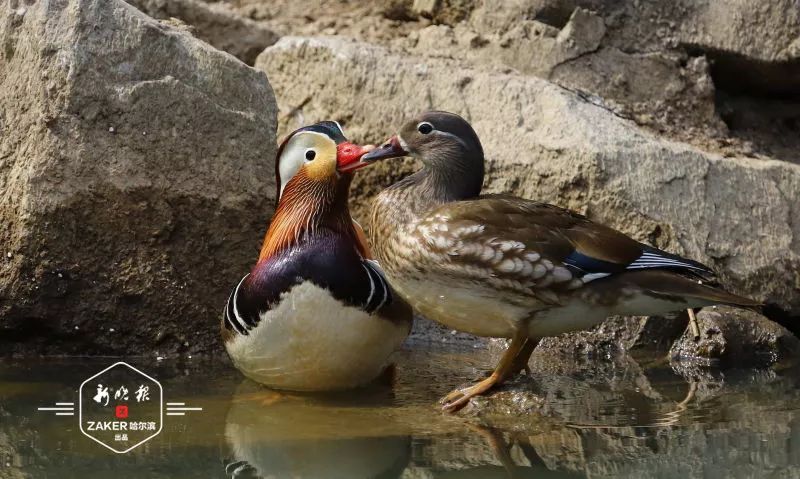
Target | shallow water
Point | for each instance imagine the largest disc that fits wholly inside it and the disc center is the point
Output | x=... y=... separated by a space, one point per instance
x=598 y=418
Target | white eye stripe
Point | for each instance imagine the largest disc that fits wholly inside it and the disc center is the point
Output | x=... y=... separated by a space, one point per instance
x=402 y=142
x=425 y=127
x=310 y=154
x=341 y=130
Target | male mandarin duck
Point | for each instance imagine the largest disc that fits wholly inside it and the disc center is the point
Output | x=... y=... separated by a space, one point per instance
x=314 y=313
x=508 y=267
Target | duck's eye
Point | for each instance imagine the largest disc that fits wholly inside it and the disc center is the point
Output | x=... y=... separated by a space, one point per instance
x=424 y=128
x=310 y=155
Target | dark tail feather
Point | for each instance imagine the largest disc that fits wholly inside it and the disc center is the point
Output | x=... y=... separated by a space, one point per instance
x=718 y=295
x=675 y=284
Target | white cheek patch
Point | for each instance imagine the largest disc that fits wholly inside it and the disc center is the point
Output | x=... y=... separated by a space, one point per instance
x=289 y=166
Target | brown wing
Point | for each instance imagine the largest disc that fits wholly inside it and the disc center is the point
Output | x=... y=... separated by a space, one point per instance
x=527 y=246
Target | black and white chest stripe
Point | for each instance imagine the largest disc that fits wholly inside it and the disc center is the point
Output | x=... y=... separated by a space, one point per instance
x=233 y=319
x=371 y=293
x=379 y=292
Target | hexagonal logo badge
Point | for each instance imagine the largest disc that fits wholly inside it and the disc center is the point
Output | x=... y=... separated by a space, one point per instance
x=120 y=407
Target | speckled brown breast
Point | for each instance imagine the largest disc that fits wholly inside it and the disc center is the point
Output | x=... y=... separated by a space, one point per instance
x=454 y=274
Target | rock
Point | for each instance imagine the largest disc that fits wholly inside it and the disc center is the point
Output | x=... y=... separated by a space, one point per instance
x=535 y=47
x=398 y=10
x=616 y=335
x=641 y=63
x=547 y=143
x=426 y=333
x=213 y=23
x=433 y=36
x=426 y=8
x=583 y=32
x=638 y=56
x=447 y=12
x=748 y=28
x=732 y=337
x=137 y=178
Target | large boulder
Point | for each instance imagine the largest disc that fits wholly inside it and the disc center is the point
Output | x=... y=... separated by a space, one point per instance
x=136 y=178
x=699 y=71
x=543 y=142
x=241 y=37
x=749 y=31
x=766 y=31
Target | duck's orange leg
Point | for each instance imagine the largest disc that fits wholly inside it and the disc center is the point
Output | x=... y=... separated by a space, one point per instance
x=505 y=368
x=521 y=361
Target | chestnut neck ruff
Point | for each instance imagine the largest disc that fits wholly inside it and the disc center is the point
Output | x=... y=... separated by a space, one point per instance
x=306 y=208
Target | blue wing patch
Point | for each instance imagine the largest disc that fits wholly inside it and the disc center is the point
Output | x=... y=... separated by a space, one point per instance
x=582 y=264
x=589 y=269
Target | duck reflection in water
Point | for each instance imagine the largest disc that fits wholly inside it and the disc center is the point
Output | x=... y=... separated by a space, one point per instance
x=300 y=436
x=618 y=417
x=279 y=434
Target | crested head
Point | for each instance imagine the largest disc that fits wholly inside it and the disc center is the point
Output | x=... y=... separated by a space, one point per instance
x=449 y=149
x=313 y=174
x=293 y=150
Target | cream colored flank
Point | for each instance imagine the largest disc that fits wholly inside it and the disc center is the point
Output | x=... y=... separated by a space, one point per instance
x=582 y=312
x=466 y=307
x=482 y=311
x=311 y=342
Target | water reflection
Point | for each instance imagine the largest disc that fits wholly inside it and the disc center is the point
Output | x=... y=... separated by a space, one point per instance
x=270 y=434
x=572 y=418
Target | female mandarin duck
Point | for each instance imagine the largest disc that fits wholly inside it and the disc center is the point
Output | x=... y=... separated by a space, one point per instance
x=314 y=313
x=508 y=267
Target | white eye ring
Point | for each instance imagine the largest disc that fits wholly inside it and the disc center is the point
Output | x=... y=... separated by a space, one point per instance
x=310 y=154
x=424 y=128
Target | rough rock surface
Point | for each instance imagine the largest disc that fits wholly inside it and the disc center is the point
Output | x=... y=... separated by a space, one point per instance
x=135 y=180
x=729 y=338
x=547 y=143
x=735 y=338
x=688 y=69
x=721 y=76
x=241 y=37
x=748 y=28
x=618 y=334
